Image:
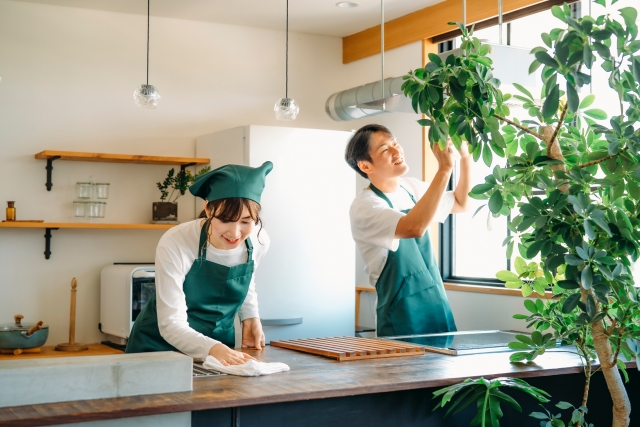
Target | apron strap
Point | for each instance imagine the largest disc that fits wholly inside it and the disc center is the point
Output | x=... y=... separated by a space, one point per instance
x=204 y=235
x=249 y=249
x=385 y=198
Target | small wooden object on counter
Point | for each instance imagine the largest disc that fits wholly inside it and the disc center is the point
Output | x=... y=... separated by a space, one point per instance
x=71 y=345
x=351 y=348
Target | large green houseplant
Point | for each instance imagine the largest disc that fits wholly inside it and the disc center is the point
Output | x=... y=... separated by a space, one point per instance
x=584 y=219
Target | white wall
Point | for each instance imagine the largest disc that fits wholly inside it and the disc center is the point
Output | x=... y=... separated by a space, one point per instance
x=68 y=76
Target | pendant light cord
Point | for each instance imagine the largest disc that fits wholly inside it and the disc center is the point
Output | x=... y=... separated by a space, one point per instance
x=382 y=51
x=148 y=22
x=286 y=81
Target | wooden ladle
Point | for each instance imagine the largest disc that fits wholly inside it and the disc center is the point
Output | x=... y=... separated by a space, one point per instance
x=71 y=345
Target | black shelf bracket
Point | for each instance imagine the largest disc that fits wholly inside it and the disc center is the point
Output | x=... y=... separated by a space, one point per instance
x=49 y=168
x=47 y=242
x=183 y=167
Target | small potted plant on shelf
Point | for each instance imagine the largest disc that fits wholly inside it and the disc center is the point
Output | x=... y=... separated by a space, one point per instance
x=174 y=185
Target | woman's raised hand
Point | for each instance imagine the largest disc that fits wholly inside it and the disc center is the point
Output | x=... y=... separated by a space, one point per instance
x=227 y=356
x=444 y=157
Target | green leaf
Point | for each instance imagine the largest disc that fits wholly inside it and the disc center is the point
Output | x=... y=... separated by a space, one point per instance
x=568 y=284
x=534 y=66
x=531 y=306
x=487 y=156
x=546 y=59
x=515 y=345
x=629 y=14
x=506 y=275
x=587 y=101
x=596 y=114
x=586 y=277
x=572 y=98
x=564 y=405
x=435 y=58
x=534 y=248
x=591 y=306
x=425 y=122
x=523 y=90
x=495 y=202
x=570 y=303
x=623 y=369
x=518 y=357
x=520 y=264
x=482 y=188
x=558 y=13
x=540 y=415
x=550 y=105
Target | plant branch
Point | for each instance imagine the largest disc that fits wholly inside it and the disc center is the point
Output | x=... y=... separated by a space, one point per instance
x=604 y=159
x=522 y=128
x=557 y=129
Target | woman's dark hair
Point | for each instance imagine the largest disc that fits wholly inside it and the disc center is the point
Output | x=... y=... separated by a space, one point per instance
x=360 y=144
x=230 y=210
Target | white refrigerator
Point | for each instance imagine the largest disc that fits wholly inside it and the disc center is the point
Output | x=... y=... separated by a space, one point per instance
x=306 y=282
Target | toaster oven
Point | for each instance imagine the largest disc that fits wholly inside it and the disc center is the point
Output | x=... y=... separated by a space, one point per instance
x=125 y=289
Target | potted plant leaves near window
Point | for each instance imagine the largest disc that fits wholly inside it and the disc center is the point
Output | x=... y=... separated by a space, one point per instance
x=174 y=185
x=585 y=226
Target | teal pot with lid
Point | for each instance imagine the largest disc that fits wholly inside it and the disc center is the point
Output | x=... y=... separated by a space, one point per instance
x=21 y=335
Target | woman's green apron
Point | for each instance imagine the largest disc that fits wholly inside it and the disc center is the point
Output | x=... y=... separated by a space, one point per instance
x=411 y=295
x=214 y=294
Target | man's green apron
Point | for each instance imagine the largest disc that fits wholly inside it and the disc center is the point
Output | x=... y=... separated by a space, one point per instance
x=214 y=294
x=411 y=296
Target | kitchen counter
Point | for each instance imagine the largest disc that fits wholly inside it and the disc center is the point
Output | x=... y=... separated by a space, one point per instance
x=320 y=391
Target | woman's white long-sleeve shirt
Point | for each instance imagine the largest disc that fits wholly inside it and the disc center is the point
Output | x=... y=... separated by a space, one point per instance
x=176 y=253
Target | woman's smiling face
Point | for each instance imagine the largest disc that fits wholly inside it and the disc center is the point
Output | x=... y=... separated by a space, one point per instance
x=228 y=235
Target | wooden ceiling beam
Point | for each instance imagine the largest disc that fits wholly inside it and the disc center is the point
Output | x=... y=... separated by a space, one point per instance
x=423 y=24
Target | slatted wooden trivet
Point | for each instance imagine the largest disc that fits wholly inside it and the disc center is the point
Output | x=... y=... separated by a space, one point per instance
x=351 y=348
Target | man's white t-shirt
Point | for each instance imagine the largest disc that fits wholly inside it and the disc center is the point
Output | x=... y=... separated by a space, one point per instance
x=176 y=253
x=373 y=222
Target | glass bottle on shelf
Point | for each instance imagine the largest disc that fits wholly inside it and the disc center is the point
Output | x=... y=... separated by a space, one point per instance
x=11 y=211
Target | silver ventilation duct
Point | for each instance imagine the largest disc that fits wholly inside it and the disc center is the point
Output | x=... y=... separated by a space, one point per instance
x=511 y=64
x=366 y=101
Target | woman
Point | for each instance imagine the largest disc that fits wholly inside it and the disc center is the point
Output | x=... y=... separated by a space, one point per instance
x=205 y=273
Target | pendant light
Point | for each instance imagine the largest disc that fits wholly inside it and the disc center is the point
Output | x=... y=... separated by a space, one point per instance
x=146 y=96
x=286 y=108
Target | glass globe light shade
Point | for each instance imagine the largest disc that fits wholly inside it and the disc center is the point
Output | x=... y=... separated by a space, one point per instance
x=286 y=109
x=146 y=96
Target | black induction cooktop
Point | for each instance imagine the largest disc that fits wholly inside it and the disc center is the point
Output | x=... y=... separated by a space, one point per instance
x=459 y=343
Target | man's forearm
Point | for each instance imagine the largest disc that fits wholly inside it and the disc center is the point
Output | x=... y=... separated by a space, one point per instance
x=461 y=192
x=417 y=221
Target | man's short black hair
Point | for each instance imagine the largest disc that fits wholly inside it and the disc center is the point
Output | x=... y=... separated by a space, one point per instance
x=360 y=144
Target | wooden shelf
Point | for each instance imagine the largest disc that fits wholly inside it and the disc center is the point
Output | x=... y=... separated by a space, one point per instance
x=51 y=155
x=49 y=226
x=120 y=158
x=57 y=225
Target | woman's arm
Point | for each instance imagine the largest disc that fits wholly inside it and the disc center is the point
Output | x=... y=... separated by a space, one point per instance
x=172 y=306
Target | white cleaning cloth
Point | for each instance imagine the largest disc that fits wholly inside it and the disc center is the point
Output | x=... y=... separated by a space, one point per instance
x=250 y=368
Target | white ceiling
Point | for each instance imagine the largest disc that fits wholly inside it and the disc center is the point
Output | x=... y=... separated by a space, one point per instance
x=306 y=16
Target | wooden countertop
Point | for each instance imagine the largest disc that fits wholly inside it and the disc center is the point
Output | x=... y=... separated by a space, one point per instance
x=311 y=377
x=50 y=351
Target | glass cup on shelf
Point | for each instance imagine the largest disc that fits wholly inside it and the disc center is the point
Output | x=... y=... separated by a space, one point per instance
x=92 y=209
x=79 y=209
x=102 y=206
x=84 y=190
x=102 y=190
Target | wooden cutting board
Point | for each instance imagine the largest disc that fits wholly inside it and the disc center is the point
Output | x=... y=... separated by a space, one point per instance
x=351 y=348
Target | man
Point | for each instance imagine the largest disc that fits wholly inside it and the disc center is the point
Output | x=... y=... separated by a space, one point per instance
x=390 y=221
